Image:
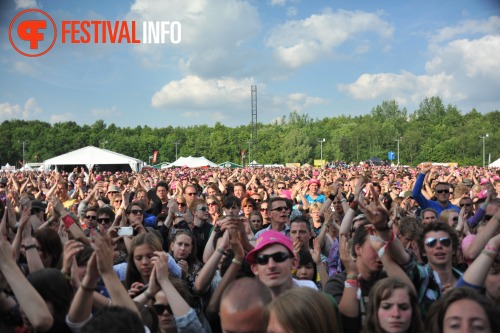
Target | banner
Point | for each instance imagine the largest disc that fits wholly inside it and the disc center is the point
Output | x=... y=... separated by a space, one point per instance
x=155 y=155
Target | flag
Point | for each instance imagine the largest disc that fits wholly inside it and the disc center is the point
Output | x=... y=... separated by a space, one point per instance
x=155 y=155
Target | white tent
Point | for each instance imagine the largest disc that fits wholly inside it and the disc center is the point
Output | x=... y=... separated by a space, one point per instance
x=495 y=164
x=192 y=162
x=91 y=156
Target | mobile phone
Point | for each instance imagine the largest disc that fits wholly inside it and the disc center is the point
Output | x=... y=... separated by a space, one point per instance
x=125 y=231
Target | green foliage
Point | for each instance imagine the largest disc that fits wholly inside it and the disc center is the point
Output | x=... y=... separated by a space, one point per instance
x=433 y=132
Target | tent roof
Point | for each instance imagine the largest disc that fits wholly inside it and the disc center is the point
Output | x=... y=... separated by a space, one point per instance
x=495 y=164
x=193 y=162
x=229 y=164
x=91 y=156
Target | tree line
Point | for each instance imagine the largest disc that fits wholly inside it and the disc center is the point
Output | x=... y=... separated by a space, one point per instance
x=434 y=132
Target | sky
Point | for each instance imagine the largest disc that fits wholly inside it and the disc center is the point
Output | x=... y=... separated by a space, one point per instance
x=321 y=58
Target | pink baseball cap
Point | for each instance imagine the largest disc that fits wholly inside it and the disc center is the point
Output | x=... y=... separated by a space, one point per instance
x=269 y=238
x=484 y=181
x=313 y=181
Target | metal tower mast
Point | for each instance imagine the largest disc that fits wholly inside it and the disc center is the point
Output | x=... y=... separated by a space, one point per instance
x=254 y=125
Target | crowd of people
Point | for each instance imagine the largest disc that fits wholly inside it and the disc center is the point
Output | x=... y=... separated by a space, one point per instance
x=334 y=249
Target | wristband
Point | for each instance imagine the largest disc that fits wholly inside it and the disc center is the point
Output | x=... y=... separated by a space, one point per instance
x=350 y=284
x=236 y=261
x=354 y=205
x=68 y=221
x=87 y=289
x=491 y=248
x=489 y=254
x=352 y=277
x=29 y=247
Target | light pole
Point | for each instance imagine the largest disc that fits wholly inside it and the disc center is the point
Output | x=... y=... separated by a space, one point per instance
x=398 y=139
x=23 y=142
x=321 y=145
x=484 y=137
x=176 y=143
x=249 y=157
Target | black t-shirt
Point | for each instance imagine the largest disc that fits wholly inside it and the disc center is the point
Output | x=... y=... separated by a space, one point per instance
x=201 y=234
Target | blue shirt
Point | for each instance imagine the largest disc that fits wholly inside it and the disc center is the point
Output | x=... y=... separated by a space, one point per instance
x=424 y=203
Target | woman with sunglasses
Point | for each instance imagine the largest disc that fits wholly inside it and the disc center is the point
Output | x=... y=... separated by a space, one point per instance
x=173 y=303
x=178 y=211
x=214 y=208
x=247 y=205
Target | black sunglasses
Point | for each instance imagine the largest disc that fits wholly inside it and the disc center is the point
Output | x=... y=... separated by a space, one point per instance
x=466 y=204
x=104 y=220
x=263 y=259
x=90 y=217
x=487 y=217
x=443 y=191
x=432 y=241
x=136 y=211
x=160 y=308
x=280 y=209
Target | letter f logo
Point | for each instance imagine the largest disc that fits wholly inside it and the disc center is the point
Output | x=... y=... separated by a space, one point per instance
x=28 y=31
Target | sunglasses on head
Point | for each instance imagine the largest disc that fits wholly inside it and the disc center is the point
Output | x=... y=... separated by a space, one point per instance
x=160 y=308
x=432 y=241
x=263 y=259
x=443 y=191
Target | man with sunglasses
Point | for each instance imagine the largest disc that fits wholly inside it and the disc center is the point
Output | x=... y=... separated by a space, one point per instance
x=442 y=193
x=437 y=243
x=272 y=261
x=201 y=226
x=279 y=212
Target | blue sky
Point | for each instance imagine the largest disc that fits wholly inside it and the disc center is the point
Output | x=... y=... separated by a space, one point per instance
x=323 y=58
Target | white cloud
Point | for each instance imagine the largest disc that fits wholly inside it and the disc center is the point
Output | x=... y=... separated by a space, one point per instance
x=489 y=26
x=404 y=87
x=105 y=113
x=195 y=92
x=463 y=69
x=226 y=99
x=214 y=33
x=298 y=42
x=278 y=2
x=22 y=4
x=60 y=118
x=16 y=111
x=25 y=68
